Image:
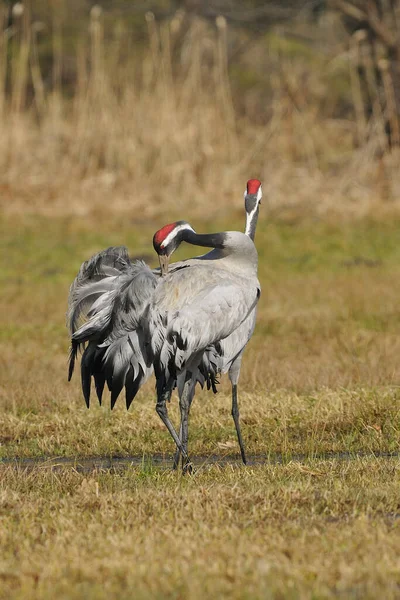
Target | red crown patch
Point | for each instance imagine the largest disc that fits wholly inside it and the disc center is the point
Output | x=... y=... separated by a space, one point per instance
x=162 y=233
x=253 y=186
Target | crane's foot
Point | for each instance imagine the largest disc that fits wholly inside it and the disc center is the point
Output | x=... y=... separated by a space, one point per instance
x=187 y=465
x=187 y=468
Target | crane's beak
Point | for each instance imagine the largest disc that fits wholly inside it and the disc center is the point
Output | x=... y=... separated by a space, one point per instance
x=164 y=260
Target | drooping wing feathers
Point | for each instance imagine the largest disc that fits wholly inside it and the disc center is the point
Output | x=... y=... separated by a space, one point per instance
x=95 y=277
x=211 y=366
x=131 y=298
x=99 y=317
x=125 y=364
x=86 y=370
x=111 y=293
x=95 y=328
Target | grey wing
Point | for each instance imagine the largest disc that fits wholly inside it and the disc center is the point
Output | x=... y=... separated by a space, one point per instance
x=116 y=351
x=212 y=316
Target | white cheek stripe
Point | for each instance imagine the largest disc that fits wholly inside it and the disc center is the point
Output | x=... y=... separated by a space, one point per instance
x=172 y=234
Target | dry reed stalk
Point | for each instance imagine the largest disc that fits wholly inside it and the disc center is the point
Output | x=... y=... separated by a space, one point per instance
x=20 y=49
x=166 y=61
x=166 y=80
x=373 y=92
x=36 y=74
x=97 y=78
x=154 y=42
x=57 y=44
x=288 y=126
x=192 y=58
x=382 y=180
x=391 y=107
x=81 y=88
x=4 y=45
x=355 y=61
x=222 y=85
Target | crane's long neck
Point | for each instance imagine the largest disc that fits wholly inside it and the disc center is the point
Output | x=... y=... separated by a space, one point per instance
x=207 y=240
x=251 y=222
x=233 y=249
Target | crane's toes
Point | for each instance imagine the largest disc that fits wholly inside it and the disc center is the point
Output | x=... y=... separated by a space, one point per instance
x=187 y=468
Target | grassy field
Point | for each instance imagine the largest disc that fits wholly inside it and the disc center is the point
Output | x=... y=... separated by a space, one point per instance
x=319 y=401
x=105 y=138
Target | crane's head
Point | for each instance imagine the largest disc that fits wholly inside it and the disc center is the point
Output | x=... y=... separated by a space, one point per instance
x=167 y=239
x=252 y=195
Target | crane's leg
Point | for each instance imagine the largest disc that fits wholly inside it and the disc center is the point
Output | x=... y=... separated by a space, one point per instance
x=235 y=415
x=185 y=402
x=161 y=408
x=177 y=454
x=234 y=373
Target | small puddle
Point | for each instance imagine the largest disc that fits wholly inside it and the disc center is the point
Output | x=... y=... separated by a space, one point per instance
x=162 y=461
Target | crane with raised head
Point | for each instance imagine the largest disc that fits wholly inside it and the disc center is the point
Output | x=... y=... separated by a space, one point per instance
x=227 y=355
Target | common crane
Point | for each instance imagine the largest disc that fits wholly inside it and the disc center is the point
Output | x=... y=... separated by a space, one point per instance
x=113 y=294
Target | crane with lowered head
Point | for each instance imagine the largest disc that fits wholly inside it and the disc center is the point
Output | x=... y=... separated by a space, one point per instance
x=194 y=309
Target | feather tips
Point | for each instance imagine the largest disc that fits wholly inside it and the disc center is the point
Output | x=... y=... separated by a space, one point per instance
x=108 y=298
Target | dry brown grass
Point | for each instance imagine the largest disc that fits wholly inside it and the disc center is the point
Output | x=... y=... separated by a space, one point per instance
x=316 y=530
x=152 y=132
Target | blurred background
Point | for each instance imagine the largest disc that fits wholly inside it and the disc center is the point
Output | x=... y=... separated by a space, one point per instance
x=160 y=102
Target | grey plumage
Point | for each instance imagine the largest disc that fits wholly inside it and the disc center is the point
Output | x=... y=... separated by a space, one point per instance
x=108 y=297
x=95 y=278
x=195 y=308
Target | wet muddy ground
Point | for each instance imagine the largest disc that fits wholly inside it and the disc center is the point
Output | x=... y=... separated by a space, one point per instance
x=161 y=461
